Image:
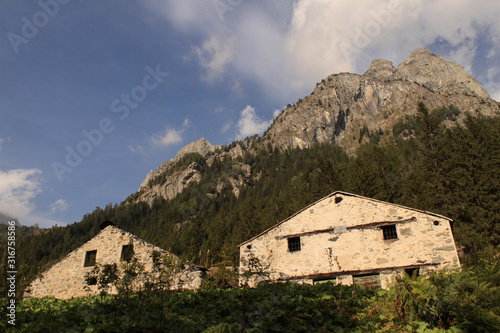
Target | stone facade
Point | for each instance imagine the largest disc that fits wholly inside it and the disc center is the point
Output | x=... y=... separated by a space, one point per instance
x=348 y=239
x=66 y=279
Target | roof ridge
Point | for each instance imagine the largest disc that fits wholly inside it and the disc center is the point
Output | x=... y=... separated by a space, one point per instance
x=347 y=194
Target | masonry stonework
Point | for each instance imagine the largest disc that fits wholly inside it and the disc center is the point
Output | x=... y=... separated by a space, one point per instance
x=66 y=279
x=349 y=239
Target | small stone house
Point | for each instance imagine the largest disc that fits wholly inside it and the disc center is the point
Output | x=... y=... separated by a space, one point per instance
x=349 y=239
x=67 y=278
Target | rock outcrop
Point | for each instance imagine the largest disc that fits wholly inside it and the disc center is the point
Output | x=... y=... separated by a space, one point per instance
x=201 y=146
x=173 y=185
x=438 y=75
x=178 y=180
x=340 y=108
x=343 y=104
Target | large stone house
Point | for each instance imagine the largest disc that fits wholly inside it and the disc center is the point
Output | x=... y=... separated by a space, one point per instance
x=348 y=238
x=67 y=278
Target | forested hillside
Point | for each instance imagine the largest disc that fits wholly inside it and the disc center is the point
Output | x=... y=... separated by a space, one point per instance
x=454 y=172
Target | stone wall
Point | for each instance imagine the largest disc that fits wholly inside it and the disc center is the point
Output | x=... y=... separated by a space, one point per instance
x=341 y=236
x=66 y=279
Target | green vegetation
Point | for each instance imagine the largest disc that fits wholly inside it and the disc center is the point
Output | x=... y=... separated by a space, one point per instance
x=462 y=301
x=454 y=172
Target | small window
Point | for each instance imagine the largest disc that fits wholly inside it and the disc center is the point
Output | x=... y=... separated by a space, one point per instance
x=390 y=232
x=294 y=244
x=338 y=199
x=436 y=223
x=90 y=258
x=412 y=272
x=367 y=280
x=249 y=246
x=127 y=252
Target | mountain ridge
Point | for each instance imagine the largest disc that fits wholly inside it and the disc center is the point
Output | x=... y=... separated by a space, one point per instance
x=340 y=106
x=342 y=109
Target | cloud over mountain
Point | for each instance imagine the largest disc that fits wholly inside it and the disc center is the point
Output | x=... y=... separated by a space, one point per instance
x=18 y=188
x=288 y=47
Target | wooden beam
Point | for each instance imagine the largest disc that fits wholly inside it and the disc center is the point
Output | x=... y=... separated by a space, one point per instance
x=360 y=226
x=382 y=223
x=331 y=275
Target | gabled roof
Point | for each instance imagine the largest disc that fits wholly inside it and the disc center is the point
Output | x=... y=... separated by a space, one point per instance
x=103 y=226
x=345 y=194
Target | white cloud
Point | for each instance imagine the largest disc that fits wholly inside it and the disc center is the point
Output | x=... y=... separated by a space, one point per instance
x=169 y=136
x=392 y=29
x=227 y=126
x=464 y=55
x=250 y=123
x=493 y=82
x=214 y=55
x=496 y=95
x=18 y=188
x=287 y=48
x=58 y=206
x=185 y=15
x=138 y=149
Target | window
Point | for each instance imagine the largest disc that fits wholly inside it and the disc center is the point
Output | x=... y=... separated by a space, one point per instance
x=127 y=252
x=412 y=272
x=294 y=244
x=338 y=199
x=320 y=281
x=90 y=258
x=389 y=232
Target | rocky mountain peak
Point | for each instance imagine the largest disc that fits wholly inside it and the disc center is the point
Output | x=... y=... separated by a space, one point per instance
x=344 y=107
x=438 y=75
x=382 y=69
x=201 y=146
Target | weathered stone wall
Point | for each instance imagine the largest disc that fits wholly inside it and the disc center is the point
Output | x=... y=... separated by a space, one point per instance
x=341 y=235
x=66 y=279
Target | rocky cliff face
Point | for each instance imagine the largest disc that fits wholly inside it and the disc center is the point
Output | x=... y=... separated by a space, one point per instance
x=201 y=146
x=173 y=185
x=178 y=180
x=337 y=110
x=342 y=104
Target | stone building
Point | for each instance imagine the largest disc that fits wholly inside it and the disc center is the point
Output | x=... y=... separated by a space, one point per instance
x=347 y=238
x=67 y=278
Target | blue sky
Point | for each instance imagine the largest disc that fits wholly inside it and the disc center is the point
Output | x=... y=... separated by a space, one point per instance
x=94 y=94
